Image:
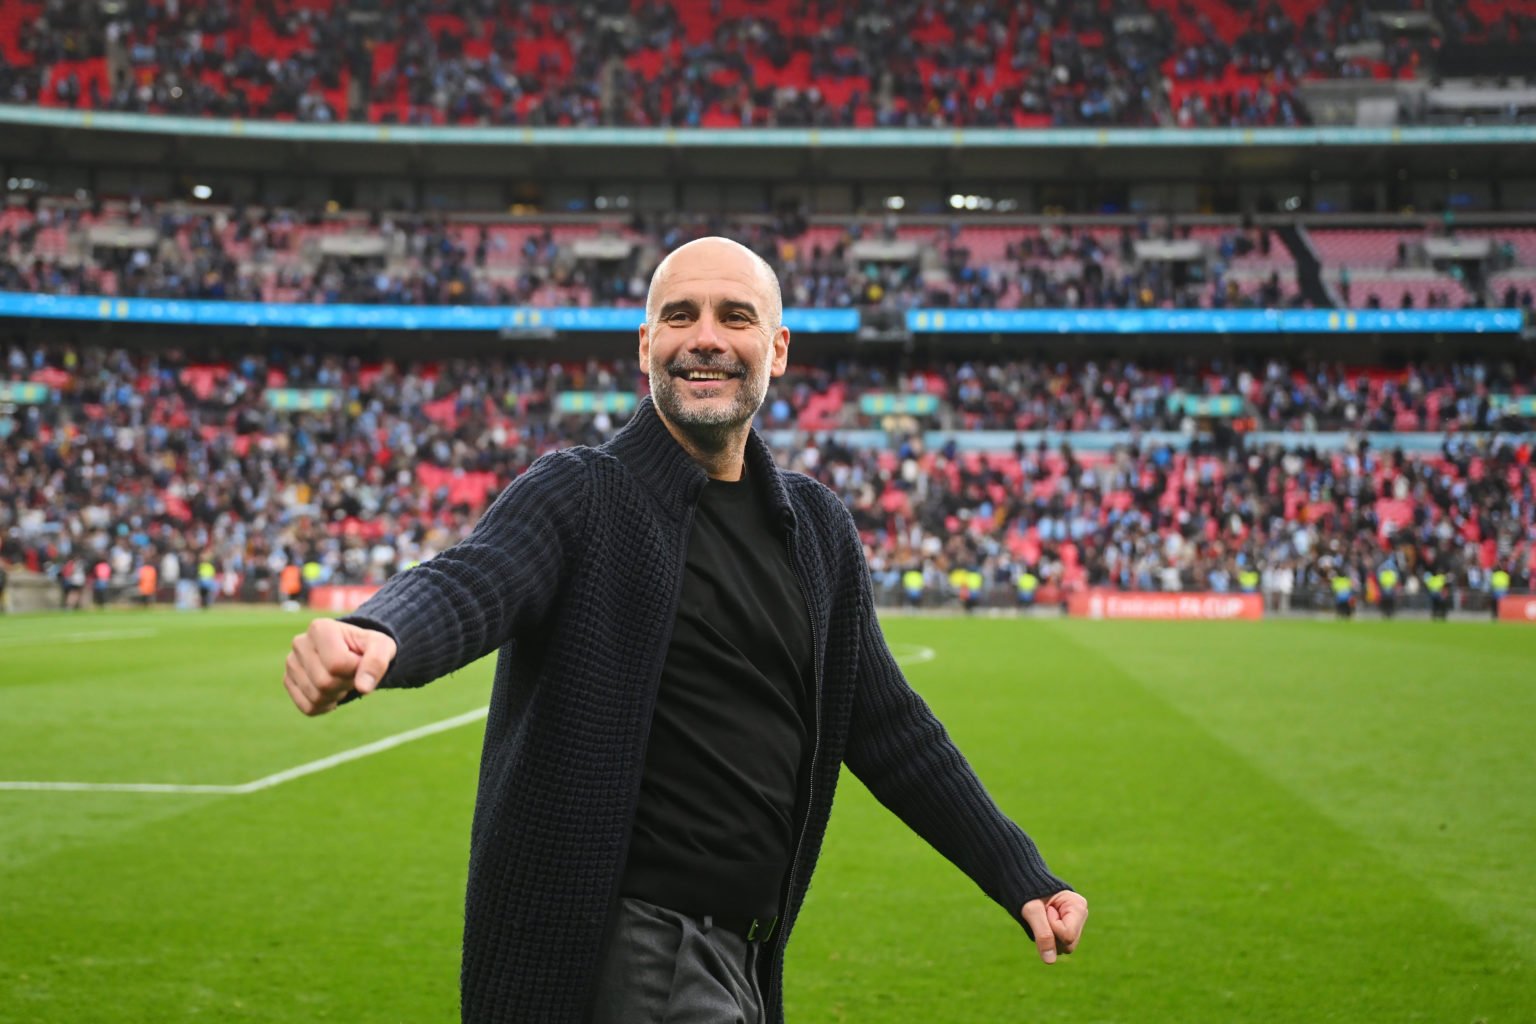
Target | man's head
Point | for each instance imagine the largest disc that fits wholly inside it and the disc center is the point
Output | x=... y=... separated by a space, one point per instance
x=713 y=336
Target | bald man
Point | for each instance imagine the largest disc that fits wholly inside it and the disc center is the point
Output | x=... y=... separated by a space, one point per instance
x=688 y=651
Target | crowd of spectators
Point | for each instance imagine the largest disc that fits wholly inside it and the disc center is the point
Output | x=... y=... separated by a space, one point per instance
x=278 y=255
x=1073 y=267
x=1272 y=395
x=1150 y=518
x=772 y=62
x=164 y=459
x=262 y=255
x=789 y=62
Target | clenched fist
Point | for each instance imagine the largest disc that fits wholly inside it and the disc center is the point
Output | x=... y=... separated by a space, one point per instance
x=331 y=659
x=1056 y=923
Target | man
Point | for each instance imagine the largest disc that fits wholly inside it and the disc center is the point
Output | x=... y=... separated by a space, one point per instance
x=1028 y=583
x=1498 y=588
x=1343 y=593
x=912 y=585
x=1437 y=584
x=688 y=652
x=1386 y=588
x=72 y=583
x=101 y=581
x=148 y=582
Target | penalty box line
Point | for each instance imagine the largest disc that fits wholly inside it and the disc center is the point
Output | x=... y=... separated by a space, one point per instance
x=914 y=654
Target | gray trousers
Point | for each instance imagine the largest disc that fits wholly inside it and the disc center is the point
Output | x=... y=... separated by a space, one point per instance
x=668 y=968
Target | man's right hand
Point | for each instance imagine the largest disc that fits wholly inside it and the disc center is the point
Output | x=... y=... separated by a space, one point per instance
x=333 y=658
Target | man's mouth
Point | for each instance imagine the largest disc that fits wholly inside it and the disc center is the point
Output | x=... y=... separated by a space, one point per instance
x=704 y=376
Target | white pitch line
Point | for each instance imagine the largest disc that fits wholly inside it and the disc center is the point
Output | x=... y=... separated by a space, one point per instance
x=266 y=781
x=387 y=743
x=77 y=638
x=116 y=787
x=917 y=654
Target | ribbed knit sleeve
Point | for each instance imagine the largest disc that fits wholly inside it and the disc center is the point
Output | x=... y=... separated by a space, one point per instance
x=502 y=578
x=900 y=750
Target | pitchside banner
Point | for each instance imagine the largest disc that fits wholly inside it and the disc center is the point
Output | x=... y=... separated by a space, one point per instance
x=1114 y=604
x=341 y=598
x=1517 y=609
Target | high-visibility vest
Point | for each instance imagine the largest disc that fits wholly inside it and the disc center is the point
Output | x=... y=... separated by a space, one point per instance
x=1500 y=582
x=1248 y=580
x=1435 y=584
x=976 y=581
x=1342 y=587
x=147 y=580
x=206 y=571
x=1388 y=579
x=912 y=581
x=312 y=571
x=291 y=581
x=1028 y=582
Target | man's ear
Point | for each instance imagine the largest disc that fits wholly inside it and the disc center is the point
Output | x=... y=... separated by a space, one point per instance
x=645 y=347
x=780 y=352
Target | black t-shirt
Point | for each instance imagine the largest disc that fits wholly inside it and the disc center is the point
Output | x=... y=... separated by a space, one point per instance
x=717 y=819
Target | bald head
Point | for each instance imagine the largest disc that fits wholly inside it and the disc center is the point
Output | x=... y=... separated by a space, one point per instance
x=725 y=254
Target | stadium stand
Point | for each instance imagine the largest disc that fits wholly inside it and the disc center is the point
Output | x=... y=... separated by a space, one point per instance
x=170 y=459
x=1181 y=467
x=198 y=251
x=735 y=63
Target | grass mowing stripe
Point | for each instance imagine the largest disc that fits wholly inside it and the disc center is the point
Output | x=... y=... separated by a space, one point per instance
x=1412 y=738
x=339 y=901
x=1217 y=894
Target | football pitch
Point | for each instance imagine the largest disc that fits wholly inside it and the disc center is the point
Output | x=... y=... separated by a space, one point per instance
x=1290 y=821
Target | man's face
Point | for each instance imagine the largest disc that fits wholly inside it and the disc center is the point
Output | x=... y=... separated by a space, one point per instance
x=710 y=344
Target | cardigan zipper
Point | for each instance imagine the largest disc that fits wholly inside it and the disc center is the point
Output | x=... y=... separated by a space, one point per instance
x=810 y=794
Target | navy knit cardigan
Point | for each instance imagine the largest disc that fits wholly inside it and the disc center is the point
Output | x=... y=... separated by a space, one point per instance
x=574 y=573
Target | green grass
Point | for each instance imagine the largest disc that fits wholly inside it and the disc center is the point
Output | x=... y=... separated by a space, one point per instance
x=1281 y=821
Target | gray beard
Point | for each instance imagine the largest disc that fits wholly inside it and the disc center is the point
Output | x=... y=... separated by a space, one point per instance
x=710 y=429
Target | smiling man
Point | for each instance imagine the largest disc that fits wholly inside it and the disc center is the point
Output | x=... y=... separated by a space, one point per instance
x=713 y=337
x=688 y=653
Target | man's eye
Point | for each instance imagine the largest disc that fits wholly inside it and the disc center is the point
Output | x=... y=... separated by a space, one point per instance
x=676 y=318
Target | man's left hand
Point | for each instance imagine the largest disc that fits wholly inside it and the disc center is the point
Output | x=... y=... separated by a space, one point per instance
x=1057 y=923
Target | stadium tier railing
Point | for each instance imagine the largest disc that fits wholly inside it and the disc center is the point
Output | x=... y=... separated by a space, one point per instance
x=831 y=138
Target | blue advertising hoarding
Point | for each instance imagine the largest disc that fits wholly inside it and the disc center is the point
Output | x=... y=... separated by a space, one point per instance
x=1215 y=321
x=343 y=316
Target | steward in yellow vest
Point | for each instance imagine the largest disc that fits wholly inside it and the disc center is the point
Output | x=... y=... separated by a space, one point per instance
x=1028 y=583
x=1439 y=595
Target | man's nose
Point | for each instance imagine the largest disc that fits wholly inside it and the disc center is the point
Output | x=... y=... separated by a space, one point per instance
x=708 y=335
